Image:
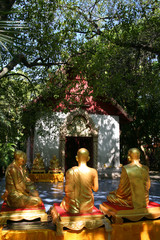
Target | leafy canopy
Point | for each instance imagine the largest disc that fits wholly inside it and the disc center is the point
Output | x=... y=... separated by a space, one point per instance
x=114 y=44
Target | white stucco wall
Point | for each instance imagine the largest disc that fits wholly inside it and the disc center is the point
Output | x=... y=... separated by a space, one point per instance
x=46 y=138
x=108 y=140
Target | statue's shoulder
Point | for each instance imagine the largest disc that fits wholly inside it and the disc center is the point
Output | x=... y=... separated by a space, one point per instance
x=145 y=167
x=70 y=171
x=93 y=171
x=10 y=168
x=127 y=166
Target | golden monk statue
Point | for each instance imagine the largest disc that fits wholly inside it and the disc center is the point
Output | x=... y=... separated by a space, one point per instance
x=20 y=192
x=29 y=184
x=38 y=163
x=133 y=190
x=54 y=163
x=80 y=181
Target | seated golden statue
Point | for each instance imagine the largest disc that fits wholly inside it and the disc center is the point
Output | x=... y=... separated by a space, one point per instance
x=80 y=181
x=133 y=190
x=20 y=191
x=38 y=164
x=54 y=164
x=29 y=184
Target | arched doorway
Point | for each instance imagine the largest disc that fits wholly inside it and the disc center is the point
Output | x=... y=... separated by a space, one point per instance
x=72 y=145
x=78 y=131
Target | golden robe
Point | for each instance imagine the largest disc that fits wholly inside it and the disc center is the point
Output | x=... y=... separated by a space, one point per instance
x=78 y=192
x=18 y=193
x=133 y=190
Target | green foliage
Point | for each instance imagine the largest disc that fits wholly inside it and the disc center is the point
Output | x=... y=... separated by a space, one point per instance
x=6 y=154
x=14 y=95
x=8 y=32
x=114 y=44
x=121 y=60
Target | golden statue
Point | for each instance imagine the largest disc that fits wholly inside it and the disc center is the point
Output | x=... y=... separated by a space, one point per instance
x=54 y=164
x=29 y=184
x=38 y=164
x=20 y=191
x=80 y=181
x=133 y=190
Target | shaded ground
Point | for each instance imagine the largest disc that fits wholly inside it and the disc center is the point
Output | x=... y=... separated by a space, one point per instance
x=50 y=192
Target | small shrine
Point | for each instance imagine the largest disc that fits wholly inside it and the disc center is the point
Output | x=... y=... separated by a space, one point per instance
x=54 y=166
x=38 y=164
x=77 y=142
x=84 y=122
x=40 y=174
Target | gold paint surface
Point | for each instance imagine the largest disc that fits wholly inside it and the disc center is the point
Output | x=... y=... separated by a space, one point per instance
x=20 y=190
x=133 y=190
x=38 y=163
x=80 y=181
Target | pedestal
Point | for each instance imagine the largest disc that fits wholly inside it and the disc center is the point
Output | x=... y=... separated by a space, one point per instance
x=119 y=213
x=38 y=171
x=75 y=221
x=47 y=177
x=12 y=214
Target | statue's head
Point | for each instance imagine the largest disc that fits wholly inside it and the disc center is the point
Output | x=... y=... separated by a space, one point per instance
x=82 y=155
x=133 y=154
x=20 y=157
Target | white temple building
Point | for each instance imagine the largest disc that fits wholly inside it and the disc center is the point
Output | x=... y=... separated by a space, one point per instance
x=93 y=124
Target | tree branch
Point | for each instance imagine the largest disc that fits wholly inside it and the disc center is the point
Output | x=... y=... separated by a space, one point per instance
x=138 y=46
x=20 y=74
x=21 y=59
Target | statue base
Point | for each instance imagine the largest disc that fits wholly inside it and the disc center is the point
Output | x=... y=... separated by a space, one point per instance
x=119 y=213
x=47 y=177
x=142 y=230
x=12 y=214
x=52 y=171
x=76 y=221
x=38 y=171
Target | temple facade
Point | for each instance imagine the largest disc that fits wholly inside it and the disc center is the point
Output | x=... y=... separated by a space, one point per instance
x=93 y=124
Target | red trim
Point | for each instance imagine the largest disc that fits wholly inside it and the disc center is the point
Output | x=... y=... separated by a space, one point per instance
x=63 y=213
x=80 y=94
x=116 y=207
x=153 y=204
x=6 y=208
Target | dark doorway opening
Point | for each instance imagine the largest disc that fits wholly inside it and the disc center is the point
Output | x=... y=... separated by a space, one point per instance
x=71 y=147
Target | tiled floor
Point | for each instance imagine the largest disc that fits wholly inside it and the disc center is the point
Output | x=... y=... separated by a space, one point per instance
x=50 y=192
